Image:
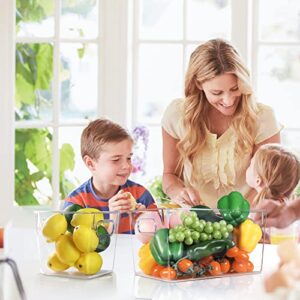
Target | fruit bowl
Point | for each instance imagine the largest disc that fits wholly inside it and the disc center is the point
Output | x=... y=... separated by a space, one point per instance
x=77 y=242
x=182 y=244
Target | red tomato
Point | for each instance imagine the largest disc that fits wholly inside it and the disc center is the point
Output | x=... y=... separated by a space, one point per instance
x=156 y=270
x=241 y=256
x=239 y=267
x=232 y=252
x=206 y=260
x=168 y=273
x=225 y=265
x=214 y=268
x=185 y=266
x=250 y=266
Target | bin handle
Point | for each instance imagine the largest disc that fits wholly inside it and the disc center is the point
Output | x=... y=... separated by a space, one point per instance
x=16 y=274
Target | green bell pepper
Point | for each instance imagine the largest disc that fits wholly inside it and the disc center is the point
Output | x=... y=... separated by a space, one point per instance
x=206 y=248
x=164 y=252
x=234 y=208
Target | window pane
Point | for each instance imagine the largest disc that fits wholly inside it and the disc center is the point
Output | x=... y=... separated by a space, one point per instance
x=34 y=75
x=35 y=18
x=279 y=82
x=291 y=138
x=33 y=166
x=161 y=19
x=208 y=19
x=279 y=20
x=79 y=18
x=79 y=81
x=160 y=79
x=73 y=172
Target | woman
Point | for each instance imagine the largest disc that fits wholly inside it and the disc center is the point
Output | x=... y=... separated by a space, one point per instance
x=210 y=136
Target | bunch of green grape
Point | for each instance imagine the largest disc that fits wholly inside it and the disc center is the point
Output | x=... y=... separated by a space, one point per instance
x=193 y=230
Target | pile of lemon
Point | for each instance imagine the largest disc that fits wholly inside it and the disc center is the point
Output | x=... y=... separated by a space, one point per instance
x=78 y=238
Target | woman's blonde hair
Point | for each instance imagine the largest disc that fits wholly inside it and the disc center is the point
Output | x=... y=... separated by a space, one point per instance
x=279 y=170
x=209 y=60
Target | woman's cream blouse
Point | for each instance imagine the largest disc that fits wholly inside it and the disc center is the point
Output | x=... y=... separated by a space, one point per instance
x=220 y=170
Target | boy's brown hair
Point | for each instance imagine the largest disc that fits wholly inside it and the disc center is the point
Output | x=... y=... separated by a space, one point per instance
x=98 y=133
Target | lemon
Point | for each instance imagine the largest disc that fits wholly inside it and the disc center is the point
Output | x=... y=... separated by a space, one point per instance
x=55 y=264
x=54 y=226
x=89 y=263
x=87 y=216
x=66 y=250
x=85 y=238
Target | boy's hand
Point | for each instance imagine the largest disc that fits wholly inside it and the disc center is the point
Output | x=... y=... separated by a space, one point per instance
x=140 y=206
x=121 y=201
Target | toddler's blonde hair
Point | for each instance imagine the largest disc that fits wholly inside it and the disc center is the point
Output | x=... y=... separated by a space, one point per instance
x=279 y=170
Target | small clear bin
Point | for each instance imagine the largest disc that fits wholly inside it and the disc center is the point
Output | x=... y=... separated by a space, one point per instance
x=197 y=243
x=76 y=244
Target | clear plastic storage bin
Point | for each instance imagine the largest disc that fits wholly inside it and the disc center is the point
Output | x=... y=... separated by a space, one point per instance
x=198 y=243
x=77 y=244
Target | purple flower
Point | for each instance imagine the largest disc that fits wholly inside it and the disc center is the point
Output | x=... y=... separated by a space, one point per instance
x=140 y=136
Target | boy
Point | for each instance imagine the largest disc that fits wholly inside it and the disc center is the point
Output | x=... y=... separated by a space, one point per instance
x=106 y=149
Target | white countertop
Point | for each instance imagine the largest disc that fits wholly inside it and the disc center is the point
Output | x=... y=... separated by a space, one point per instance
x=123 y=284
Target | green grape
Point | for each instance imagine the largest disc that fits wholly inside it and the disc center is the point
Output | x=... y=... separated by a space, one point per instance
x=200 y=227
x=217 y=235
x=188 y=240
x=172 y=238
x=229 y=228
x=225 y=235
x=209 y=237
x=195 y=235
x=216 y=226
x=172 y=231
x=208 y=223
x=208 y=228
x=188 y=221
x=223 y=222
x=183 y=216
x=196 y=224
x=179 y=228
x=203 y=236
x=180 y=236
x=203 y=222
x=187 y=233
x=193 y=214
x=223 y=229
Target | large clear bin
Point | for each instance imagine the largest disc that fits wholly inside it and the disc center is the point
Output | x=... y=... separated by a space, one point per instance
x=197 y=243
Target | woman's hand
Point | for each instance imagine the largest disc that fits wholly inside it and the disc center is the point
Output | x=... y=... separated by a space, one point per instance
x=186 y=197
x=121 y=201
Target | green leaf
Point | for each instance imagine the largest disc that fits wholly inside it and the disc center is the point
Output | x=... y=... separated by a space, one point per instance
x=24 y=91
x=27 y=199
x=37 y=150
x=37 y=176
x=44 y=64
x=67 y=158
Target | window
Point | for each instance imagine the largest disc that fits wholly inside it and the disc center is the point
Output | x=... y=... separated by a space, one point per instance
x=65 y=62
x=56 y=92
